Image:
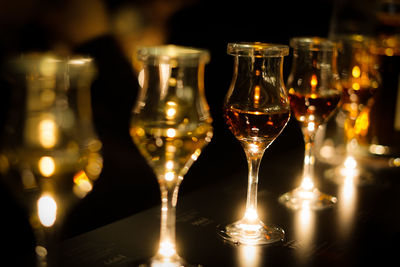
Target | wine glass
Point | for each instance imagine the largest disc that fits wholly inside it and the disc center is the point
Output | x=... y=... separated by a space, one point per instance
x=170 y=125
x=314 y=92
x=256 y=109
x=360 y=80
x=50 y=153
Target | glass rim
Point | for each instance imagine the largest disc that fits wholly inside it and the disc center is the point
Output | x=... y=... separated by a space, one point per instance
x=313 y=43
x=257 y=49
x=171 y=51
x=25 y=61
x=53 y=57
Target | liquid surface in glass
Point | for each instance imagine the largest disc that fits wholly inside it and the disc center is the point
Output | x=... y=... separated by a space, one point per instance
x=313 y=107
x=255 y=126
x=170 y=151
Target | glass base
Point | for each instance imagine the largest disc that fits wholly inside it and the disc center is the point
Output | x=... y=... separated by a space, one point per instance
x=312 y=199
x=242 y=232
x=160 y=261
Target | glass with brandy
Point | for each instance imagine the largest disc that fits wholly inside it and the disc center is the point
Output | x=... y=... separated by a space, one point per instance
x=170 y=125
x=50 y=155
x=256 y=110
x=314 y=92
x=360 y=79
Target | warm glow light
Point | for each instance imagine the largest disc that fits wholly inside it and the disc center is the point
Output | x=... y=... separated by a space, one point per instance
x=82 y=184
x=249 y=256
x=196 y=154
x=47 y=166
x=47 y=210
x=250 y=228
x=169 y=165
x=314 y=81
x=256 y=94
x=349 y=167
x=251 y=215
x=356 y=72
x=47 y=133
x=77 y=61
x=304 y=229
x=327 y=151
x=167 y=249
x=172 y=82
x=165 y=75
x=362 y=123
x=307 y=183
x=350 y=163
x=347 y=206
x=356 y=86
x=253 y=148
x=169 y=176
x=141 y=78
x=311 y=126
x=171 y=132
x=378 y=149
x=171 y=113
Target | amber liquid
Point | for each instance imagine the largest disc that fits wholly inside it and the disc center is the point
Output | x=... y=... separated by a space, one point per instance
x=313 y=108
x=170 y=151
x=360 y=96
x=256 y=126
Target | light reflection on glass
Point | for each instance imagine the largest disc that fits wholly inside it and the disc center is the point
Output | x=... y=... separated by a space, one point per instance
x=82 y=184
x=347 y=203
x=47 y=210
x=304 y=226
x=47 y=133
x=171 y=132
x=167 y=249
x=47 y=166
x=249 y=256
x=251 y=214
x=164 y=74
x=171 y=110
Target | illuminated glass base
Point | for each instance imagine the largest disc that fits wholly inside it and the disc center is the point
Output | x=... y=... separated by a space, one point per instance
x=313 y=199
x=257 y=233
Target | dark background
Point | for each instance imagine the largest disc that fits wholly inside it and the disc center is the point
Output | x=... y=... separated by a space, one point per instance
x=127 y=185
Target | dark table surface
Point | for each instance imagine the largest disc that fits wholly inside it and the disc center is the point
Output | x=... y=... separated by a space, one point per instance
x=363 y=228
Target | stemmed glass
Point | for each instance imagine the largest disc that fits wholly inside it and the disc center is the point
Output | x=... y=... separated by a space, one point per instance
x=314 y=92
x=50 y=154
x=256 y=109
x=360 y=79
x=170 y=125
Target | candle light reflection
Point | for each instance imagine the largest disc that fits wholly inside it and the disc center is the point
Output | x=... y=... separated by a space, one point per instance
x=304 y=226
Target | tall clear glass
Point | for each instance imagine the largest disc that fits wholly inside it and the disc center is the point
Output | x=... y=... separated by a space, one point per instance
x=314 y=92
x=170 y=125
x=256 y=109
x=50 y=154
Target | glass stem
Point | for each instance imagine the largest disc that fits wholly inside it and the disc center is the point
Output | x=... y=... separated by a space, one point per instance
x=46 y=242
x=309 y=160
x=169 y=196
x=253 y=160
